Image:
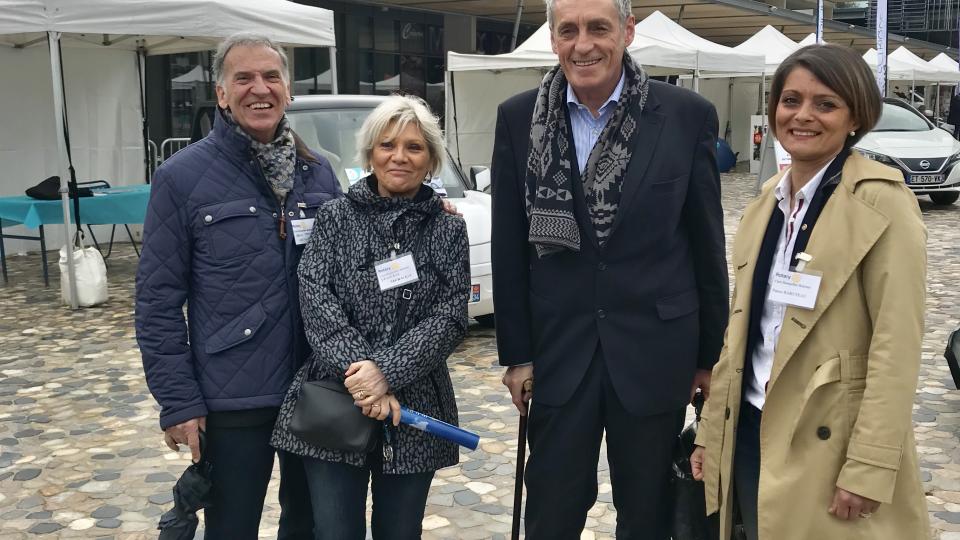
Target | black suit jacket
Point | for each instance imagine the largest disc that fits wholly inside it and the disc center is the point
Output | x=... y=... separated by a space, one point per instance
x=655 y=296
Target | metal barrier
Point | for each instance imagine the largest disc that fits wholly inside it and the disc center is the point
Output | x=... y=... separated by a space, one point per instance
x=171 y=146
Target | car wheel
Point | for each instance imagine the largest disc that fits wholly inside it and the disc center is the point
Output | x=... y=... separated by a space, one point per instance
x=486 y=321
x=948 y=197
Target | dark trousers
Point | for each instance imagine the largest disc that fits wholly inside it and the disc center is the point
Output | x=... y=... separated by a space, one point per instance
x=238 y=447
x=746 y=467
x=339 y=492
x=561 y=475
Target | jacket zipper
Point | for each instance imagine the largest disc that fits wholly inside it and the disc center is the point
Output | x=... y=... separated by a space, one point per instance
x=262 y=186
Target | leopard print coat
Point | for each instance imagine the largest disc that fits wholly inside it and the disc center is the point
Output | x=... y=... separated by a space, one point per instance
x=347 y=318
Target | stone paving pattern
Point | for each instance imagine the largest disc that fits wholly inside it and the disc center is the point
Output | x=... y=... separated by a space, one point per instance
x=81 y=454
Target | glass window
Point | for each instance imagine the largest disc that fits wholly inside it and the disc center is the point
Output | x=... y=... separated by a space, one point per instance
x=386 y=74
x=435 y=89
x=385 y=34
x=435 y=40
x=899 y=118
x=412 y=75
x=332 y=133
x=411 y=38
x=191 y=86
x=311 y=68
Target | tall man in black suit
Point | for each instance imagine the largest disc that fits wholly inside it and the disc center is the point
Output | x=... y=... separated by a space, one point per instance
x=609 y=270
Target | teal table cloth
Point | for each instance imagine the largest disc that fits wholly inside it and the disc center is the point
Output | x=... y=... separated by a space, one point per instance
x=109 y=206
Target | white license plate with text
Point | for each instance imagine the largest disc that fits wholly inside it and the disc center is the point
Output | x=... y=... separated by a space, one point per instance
x=926 y=179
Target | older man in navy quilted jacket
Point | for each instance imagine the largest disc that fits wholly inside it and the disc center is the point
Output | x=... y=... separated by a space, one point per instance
x=228 y=219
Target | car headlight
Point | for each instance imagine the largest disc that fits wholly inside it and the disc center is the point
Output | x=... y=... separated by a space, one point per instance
x=875 y=156
x=953 y=160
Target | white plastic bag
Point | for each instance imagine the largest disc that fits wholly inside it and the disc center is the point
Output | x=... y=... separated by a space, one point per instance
x=91 y=274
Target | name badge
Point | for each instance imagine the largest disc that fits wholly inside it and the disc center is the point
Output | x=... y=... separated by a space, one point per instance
x=795 y=288
x=302 y=228
x=396 y=272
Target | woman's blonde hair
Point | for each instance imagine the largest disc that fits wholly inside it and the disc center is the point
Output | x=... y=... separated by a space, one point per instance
x=390 y=118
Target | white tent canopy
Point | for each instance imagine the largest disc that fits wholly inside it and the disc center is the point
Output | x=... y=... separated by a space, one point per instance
x=944 y=62
x=904 y=55
x=103 y=42
x=660 y=45
x=162 y=26
x=772 y=44
x=900 y=70
x=706 y=55
x=811 y=39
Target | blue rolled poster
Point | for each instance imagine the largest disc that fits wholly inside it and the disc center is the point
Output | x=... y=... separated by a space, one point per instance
x=439 y=428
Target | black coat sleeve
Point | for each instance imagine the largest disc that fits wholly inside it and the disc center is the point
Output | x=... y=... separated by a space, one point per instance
x=509 y=249
x=703 y=218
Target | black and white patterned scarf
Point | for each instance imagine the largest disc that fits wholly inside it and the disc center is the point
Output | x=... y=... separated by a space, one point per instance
x=277 y=158
x=550 y=206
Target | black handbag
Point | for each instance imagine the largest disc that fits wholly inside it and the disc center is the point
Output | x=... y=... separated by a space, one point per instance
x=951 y=354
x=689 y=520
x=325 y=416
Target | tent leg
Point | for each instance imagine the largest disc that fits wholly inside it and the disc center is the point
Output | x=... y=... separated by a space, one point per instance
x=53 y=38
x=334 y=86
x=43 y=257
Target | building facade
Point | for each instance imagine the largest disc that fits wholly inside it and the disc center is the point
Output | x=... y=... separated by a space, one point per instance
x=380 y=50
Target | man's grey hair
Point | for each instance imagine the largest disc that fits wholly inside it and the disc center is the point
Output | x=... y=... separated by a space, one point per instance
x=245 y=39
x=624 y=8
x=393 y=116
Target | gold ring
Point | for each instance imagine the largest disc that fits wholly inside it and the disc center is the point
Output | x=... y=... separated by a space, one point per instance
x=866 y=515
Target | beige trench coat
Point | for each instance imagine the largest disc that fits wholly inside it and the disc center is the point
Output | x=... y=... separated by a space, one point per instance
x=849 y=365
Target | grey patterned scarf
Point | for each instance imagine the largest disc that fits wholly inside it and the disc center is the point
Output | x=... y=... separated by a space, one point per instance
x=550 y=206
x=277 y=158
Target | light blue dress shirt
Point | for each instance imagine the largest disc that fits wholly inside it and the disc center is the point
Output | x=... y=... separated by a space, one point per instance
x=587 y=129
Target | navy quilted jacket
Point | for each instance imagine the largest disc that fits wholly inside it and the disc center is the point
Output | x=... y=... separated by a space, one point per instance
x=211 y=239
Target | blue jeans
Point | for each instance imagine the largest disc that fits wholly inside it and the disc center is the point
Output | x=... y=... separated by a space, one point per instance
x=339 y=495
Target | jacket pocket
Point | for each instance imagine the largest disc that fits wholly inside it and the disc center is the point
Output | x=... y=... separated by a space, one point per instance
x=668 y=185
x=678 y=305
x=237 y=331
x=233 y=228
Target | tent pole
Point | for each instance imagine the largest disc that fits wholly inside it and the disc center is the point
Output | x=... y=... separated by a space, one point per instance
x=516 y=25
x=762 y=101
x=53 y=38
x=334 y=87
x=141 y=67
x=696 y=74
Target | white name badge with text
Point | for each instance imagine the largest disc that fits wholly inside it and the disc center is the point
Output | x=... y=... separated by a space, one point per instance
x=396 y=272
x=301 y=230
x=793 y=288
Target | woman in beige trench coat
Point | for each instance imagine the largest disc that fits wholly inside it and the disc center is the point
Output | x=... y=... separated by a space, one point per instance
x=808 y=426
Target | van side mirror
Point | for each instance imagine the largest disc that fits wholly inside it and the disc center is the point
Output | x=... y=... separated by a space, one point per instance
x=480 y=178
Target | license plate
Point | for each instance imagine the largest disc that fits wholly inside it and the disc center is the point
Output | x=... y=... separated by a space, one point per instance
x=926 y=179
x=475 y=293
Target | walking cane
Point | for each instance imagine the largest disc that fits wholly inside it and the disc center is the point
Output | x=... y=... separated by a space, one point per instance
x=521 y=461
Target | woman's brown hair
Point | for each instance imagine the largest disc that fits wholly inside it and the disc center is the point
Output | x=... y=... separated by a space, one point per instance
x=842 y=70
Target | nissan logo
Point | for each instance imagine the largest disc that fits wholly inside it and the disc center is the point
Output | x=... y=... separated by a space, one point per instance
x=924 y=164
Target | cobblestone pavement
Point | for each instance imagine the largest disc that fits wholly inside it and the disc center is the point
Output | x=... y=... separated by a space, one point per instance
x=81 y=455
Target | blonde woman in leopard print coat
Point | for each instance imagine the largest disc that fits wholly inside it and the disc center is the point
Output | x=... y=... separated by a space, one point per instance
x=356 y=335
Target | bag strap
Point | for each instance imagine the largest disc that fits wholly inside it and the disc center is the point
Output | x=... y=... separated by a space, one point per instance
x=406 y=293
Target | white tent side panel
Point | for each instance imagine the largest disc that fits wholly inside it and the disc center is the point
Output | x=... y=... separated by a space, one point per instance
x=104 y=113
x=478 y=94
x=735 y=105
